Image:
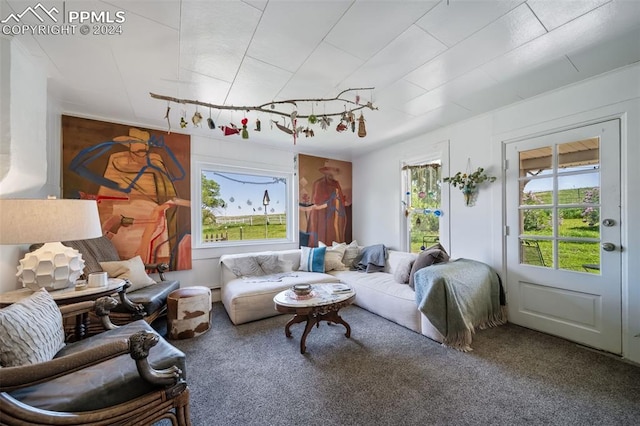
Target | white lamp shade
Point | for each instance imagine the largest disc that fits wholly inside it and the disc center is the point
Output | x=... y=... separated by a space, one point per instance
x=53 y=266
x=42 y=221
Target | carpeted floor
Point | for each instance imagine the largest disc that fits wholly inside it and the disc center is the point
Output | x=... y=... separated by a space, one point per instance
x=386 y=374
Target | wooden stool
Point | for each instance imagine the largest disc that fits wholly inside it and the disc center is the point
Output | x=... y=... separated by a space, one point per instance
x=188 y=312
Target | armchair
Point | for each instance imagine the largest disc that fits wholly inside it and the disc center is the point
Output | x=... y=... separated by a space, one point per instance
x=146 y=303
x=126 y=375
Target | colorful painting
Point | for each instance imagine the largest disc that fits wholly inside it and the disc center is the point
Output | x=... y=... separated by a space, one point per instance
x=141 y=180
x=324 y=200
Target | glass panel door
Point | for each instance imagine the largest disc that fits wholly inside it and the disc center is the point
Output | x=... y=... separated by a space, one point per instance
x=560 y=206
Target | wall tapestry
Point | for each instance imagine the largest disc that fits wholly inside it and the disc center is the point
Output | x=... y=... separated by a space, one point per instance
x=141 y=180
x=325 y=192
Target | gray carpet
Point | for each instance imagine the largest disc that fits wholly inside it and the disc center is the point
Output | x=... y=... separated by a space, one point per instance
x=386 y=374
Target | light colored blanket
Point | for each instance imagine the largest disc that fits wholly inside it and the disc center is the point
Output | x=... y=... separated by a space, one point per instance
x=459 y=296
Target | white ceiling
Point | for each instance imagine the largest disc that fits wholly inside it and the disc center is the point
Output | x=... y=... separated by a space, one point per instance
x=431 y=62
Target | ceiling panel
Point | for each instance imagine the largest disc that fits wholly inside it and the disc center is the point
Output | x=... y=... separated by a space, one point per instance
x=398 y=94
x=369 y=26
x=213 y=40
x=163 y=12
x=556 y=13
x=508 y=32
x=404 y=54
x=451 y=22
x=320 y=73
x=256 y=83
x=289 y=31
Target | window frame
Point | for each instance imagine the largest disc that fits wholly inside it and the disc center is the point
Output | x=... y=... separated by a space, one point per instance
x=290 y=211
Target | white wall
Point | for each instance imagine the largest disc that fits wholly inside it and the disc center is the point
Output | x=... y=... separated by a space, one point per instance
x=476 y=232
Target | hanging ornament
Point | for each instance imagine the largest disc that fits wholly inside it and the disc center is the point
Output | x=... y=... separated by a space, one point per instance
x=229 y=130
x=166 y=116
x=418 y=221
x=196 y=119
x=245 y=132
x=257 y=129
x=313 y=119
x=183 y=119
x=341 y=127
x=362 y=131
x=210 y=122
x=325 y=122
x=421 y=194
x=308 y=132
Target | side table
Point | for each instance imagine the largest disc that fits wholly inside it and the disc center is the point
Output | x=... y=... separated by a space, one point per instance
x=67 y=296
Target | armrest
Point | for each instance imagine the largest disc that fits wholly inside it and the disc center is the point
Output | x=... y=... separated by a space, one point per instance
x=28 y=375
x=159 y=268
x=135 y=308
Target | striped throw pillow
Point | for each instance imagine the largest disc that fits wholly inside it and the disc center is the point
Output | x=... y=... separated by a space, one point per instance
x=312 y=259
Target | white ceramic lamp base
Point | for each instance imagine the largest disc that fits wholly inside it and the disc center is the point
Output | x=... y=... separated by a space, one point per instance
x=53 y=266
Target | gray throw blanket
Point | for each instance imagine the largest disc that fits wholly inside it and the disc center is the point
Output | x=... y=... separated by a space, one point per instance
x=459 y=296
x=371 y=259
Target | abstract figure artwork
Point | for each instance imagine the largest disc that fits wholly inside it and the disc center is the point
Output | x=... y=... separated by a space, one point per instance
x=140 y=179
x=324 y=200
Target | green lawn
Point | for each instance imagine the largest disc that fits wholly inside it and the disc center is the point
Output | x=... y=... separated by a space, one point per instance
x=253 y=229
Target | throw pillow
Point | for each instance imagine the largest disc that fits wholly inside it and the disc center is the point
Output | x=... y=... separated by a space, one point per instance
x=350 y=253
x=402 y=272
x=246 y=267
x=30 y=331
x=312 y=259
x=270 y=263
x=333 y=257
x=132 y=270
x=427 y=258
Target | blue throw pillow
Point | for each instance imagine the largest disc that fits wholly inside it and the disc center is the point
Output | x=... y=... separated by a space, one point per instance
x=312 y=259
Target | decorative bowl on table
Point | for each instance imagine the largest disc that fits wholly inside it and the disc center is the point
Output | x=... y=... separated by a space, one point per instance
x=301 y=289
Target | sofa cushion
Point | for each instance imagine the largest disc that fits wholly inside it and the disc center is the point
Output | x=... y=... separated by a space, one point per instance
x=427 y=258
x=31 y=330
x=352 y=251
x=109 y=383
x=94 y=251
x=132 y=270
x=333 y=257
x=312 y=259
x=402 y=272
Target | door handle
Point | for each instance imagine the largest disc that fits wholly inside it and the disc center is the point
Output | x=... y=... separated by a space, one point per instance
x=608 y=246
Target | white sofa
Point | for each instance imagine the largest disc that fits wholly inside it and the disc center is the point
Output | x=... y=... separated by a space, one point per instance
x=251 y=298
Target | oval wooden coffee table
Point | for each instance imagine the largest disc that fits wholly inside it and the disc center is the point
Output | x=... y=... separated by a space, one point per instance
x=322 y=305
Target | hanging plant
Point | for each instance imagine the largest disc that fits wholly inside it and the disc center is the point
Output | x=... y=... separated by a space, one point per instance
x=468 y=182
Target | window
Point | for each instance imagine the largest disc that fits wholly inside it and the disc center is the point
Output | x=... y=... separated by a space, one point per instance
x=422 y=189
x=240 y=206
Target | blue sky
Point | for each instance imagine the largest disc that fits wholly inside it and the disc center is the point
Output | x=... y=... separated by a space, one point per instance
x=583 y=180
x=244 y=192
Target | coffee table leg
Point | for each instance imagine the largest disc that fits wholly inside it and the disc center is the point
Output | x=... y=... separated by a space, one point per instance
x=311 y=321
x=337 y=319
x=296 y=319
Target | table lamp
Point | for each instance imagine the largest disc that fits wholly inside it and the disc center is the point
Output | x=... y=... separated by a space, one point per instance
x=53 y=266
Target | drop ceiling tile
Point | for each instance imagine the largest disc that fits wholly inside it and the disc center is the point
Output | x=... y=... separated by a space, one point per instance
x=213 y=39
x=202 y=87
x=452 y=22
x=449 y=92
x=163 y=12
x=553 y=74
x=604 y=23
x=489 y=99
x=257 y=83
x=321 y=73
x=368 y=26
x=407 y=52
x=510 y=31
x=556 y=13
x=289 y=31
x=614 y=53
x=397 y=94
